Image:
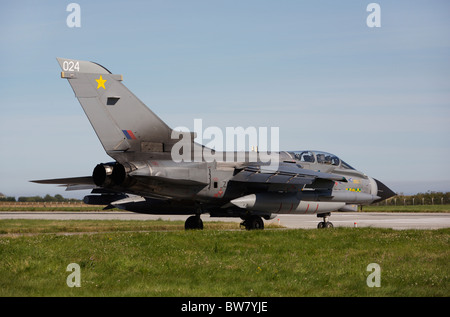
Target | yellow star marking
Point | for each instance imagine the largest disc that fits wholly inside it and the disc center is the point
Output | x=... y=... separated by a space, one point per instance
x=101 y=82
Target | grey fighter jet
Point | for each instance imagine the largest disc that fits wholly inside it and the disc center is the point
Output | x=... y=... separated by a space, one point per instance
x=145 y=178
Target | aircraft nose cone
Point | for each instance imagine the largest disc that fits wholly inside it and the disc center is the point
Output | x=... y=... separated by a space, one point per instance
x=383 y=191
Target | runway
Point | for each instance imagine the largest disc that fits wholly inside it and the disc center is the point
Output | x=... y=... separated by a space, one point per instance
x=339 y=219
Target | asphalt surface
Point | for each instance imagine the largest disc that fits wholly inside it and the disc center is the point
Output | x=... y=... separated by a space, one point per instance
x=339 y=219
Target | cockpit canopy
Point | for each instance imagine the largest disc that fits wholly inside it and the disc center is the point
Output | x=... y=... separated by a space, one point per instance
x=320 y=158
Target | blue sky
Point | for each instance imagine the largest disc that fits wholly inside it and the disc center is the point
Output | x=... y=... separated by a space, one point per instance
x=377 y=97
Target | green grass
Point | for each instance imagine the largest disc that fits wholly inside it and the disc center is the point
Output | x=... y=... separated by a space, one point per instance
x=26 y=226
x=224 y=263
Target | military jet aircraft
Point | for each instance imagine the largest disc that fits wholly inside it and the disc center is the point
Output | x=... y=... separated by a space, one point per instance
x=145 y=178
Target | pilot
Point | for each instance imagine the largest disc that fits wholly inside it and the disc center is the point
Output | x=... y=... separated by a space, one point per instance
x=308 y=158
x=335 y=161
x=320 y=158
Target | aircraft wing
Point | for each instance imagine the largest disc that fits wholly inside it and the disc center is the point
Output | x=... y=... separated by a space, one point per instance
x=284 y=175
x=72 y=183
x=87 y=182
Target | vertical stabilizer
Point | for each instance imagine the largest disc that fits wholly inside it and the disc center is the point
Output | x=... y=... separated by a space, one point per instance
x=121 y=121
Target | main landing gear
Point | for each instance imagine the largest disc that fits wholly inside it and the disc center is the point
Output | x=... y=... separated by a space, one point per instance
x=253 y=222
x=250 y=223
x=325 y=223
x=193 y=222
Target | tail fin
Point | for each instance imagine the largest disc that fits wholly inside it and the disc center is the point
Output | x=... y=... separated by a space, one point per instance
x=121 y=121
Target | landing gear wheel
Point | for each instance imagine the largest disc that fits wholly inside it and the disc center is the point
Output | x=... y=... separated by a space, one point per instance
x=253 y=223
x=325 y=223
x=193 y=222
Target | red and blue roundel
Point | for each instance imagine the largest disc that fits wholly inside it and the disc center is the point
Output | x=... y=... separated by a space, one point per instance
x=129 y=134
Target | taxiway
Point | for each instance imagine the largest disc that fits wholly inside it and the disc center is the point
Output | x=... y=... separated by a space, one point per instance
x=340 y=219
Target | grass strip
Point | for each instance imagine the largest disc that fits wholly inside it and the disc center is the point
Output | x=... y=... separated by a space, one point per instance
x=226 y=263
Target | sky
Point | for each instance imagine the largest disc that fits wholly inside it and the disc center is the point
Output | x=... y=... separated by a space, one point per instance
x=377 y=97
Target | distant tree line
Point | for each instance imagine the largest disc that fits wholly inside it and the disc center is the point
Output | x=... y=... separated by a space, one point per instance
x=7 y=198
x=47 y=198
x=428 y=198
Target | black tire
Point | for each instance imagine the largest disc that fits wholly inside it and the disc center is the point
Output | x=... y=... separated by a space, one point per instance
x=254 y=223
x=193 y=223
x=323 y=225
